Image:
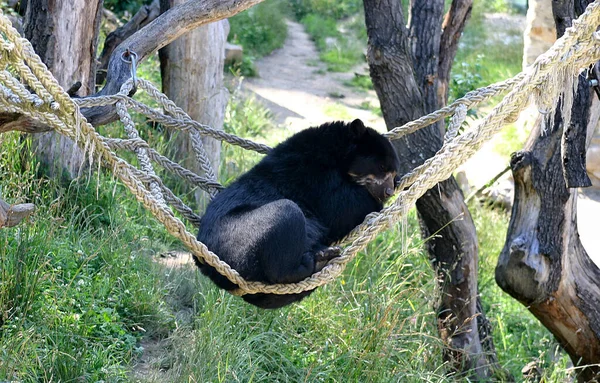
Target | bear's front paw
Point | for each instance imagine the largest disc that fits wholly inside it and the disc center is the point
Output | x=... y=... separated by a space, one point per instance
x=326 y=255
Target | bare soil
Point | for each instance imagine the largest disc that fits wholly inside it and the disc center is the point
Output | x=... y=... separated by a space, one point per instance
x=296 y=86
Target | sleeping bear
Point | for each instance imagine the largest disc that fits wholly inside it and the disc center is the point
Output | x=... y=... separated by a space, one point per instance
x=276 y=222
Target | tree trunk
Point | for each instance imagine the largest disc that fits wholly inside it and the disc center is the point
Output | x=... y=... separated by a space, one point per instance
x=540 y=32
x=192 y=76
x=543 y=263
x=408 y=82
x=65 y=36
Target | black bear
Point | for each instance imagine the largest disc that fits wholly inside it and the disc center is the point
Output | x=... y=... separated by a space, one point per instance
x=276 y=222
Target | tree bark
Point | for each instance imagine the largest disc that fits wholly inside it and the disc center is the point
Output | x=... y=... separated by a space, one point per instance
x=410 y=69
x=543 y=263
x=192 y=76
x=65 y=36
x=13 y=215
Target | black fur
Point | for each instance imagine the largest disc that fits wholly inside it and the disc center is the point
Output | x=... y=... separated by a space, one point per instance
x=276 y=221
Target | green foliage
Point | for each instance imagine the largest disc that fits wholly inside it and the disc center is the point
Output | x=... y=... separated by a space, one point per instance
x=484 y=57
x=75 y=285
x=259 y=30
x=503 y=6
x=244 y=68
x=335 y=9
x=246 y=118
x=337 y=112
x=361 y=82
x=366 y=105
x=513 y=138
x=337 y=51
x=466 y=77
x=121 y=6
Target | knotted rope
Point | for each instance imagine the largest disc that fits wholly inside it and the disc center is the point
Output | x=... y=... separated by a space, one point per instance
x=39 y=96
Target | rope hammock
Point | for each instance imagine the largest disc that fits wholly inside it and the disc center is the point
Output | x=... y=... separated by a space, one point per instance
x=28 y=88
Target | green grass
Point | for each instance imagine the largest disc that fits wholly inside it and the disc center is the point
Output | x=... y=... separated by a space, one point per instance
x=337 y=50
x=77 y=288
x=373 y=324
x=337 y=112
x=259 y=30
x=334 y=9
x=362 y=82
x=518 y=335
x=482 y=60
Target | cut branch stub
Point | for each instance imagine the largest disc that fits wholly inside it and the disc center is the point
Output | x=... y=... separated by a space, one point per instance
x=12 y=215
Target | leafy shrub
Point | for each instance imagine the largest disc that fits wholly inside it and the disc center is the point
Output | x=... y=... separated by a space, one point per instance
x=465 y=78
x=121 y=6
x=244 y=117
x=321 y=28
x=260 y=29
x=339 y=53
x=336 y=9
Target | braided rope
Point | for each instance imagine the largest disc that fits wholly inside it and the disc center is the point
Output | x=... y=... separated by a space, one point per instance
x=141 y=153
x=197 y=145
x=579 y=47
x=171 y=166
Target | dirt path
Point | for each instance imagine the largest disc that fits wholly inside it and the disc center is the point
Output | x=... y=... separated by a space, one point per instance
x=296 y=86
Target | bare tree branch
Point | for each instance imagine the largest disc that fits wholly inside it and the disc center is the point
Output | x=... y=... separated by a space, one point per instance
x=160 y=32
x=19 y=122
x=453 y=27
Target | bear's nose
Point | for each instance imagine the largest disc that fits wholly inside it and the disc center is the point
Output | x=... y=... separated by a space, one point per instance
x=388 y=192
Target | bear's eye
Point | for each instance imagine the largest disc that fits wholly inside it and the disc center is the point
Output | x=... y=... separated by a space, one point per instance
x=382 y=168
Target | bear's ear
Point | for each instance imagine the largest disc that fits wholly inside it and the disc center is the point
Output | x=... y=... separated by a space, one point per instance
x=357 y=128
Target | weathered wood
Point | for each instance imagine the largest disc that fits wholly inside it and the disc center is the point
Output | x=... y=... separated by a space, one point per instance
x=12 y=215
x=573 y=142
x=543 y=263
x=18 y=122
x=399 y=82
x=143 y=16
x=192 y=76
x=64 y=35
x=425 y=17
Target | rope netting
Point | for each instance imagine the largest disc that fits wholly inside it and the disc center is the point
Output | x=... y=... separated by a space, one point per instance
x=28 y=88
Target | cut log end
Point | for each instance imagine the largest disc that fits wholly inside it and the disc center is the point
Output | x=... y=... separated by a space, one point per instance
x=12 y=215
